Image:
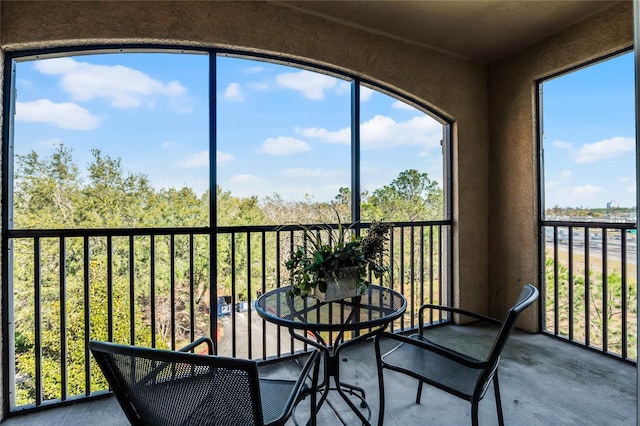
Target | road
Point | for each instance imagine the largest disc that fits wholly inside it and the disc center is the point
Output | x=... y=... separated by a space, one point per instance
x=595 y=249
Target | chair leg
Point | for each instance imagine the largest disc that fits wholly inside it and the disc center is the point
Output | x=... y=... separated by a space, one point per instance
x=314 y=389
x=496 y=389
x=474 y=413
x=419 y=394
x=380 y=379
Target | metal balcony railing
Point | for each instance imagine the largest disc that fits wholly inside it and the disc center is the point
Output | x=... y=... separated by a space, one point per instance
x=157 y=288
x=590 y=285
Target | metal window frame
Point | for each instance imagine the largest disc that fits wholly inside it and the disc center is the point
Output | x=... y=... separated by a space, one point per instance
x=8 y=174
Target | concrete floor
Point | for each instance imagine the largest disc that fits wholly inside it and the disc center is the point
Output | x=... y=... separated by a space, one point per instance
x=543 y=381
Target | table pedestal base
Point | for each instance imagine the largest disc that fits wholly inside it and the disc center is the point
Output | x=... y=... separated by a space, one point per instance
x=332 y=369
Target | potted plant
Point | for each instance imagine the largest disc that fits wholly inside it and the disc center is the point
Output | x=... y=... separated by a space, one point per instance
x=338 y=266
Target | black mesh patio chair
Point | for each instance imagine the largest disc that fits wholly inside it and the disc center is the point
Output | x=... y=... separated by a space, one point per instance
x=447 y=369
x=160 y=387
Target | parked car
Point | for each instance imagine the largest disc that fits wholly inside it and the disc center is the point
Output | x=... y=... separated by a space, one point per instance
x=562 y=235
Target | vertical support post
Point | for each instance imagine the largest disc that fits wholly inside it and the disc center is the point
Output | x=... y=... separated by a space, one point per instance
x=636 y=46
x=213 y=204
x=355 y=154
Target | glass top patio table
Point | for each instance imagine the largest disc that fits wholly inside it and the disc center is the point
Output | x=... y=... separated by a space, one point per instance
x=378 y=306
x=370 y=313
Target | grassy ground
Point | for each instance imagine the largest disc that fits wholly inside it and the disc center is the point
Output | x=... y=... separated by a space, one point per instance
x=569 y=318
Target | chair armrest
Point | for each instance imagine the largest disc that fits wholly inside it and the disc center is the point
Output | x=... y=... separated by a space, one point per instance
x=424 y=343
x=455 y=311
x=299 y=384
x=311 y=357
x=197 y=343
x=311 y=361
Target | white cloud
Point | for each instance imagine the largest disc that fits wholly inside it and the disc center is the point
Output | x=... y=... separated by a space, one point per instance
x=121 y=86
x=339 y=136
x=561 y=194
x=311 y=84
x=383 y=132
x=253 y=70
x=21 y=82
x=607 y=148
x=66 y=115
x=565 y=174
x=56 y=66
x=233 y=92
x=200 y=159
x=561 y=144
x=307 y=173
x=343 y=88
x=223 y=158
x=366 y=93
x=403 y=106
x=169 y=144
x=284 y=145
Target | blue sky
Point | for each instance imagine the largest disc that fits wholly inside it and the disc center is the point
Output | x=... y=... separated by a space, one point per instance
x=589 y=136
x=281 y=130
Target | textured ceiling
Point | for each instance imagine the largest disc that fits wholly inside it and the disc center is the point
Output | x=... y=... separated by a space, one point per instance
x=480 y=30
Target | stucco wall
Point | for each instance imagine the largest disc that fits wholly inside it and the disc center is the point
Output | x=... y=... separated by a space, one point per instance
x=454 y=87
x=513 y=155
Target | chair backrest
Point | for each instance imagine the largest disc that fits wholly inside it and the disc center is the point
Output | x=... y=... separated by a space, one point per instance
x=527 y=296
x=176 y=388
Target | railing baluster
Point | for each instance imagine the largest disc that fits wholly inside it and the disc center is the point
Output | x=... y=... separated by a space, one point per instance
x=412 y=277
x=213 y=289
x=278 y=282
x=63 y=319
x=192 y=308
x=570 y=284
x=172 y=287
x=233 y=293
x=587 y=293
x=291 y=248
x=37 y=306
x=248 y=290
x=556 y=283
x=605 y=293
x=430 y=271
x=132 y=292
x=152 y=289
x=87 y=316
x=441 y=269
x=110 y=288
x=391 y=272
x=263 y=287
x=402 y=268
x=569 y=277
x=624 y=293
x=421 y=271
